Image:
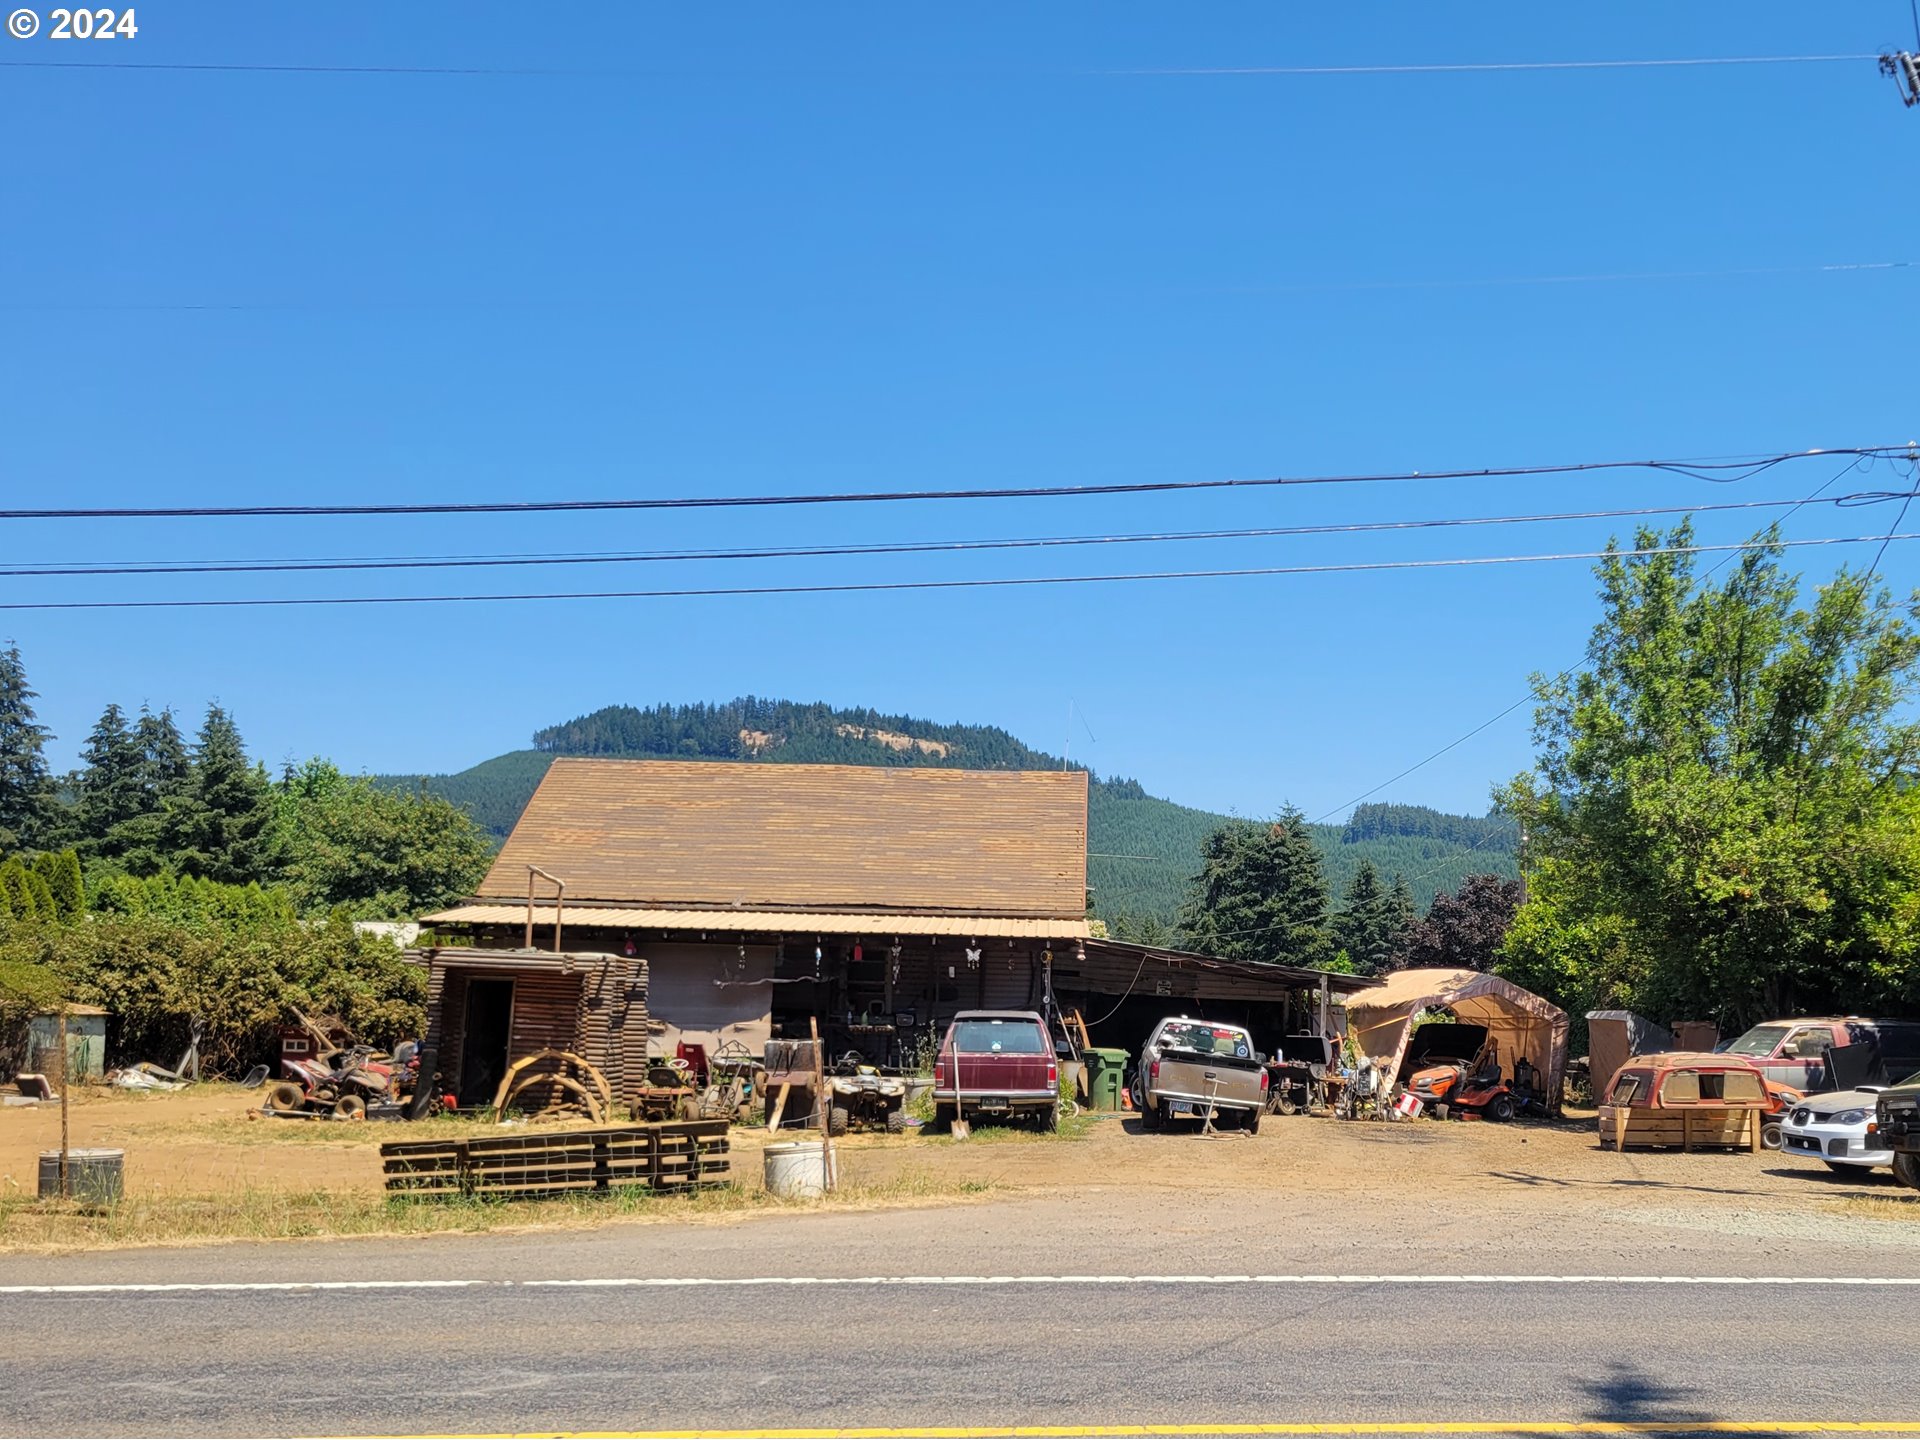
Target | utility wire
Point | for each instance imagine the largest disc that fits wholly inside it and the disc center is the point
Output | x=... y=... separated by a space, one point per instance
x=1719 y=472
x=1485 y=67
x=1712 y=570
x=872 y=587
x=918 y=547
x=1811 y=498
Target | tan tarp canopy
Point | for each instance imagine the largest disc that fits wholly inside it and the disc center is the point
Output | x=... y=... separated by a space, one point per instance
x=1518 y=1020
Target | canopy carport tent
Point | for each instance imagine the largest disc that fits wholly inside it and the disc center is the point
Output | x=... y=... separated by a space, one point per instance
x=1520 y=1022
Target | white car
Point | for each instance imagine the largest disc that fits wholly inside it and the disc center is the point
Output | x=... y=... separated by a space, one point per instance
x=1835 y=1128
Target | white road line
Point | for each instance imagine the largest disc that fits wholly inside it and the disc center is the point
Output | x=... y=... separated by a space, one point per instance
x=668 y=1282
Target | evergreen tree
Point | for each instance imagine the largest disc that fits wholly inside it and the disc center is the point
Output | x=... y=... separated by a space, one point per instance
x=165 y=764
x=65 y=886
x=1402 y=899
x=111 y=785
x=141 y=842
x=1369 y=927
x=1260 y=896
x=26 y=789
x=215 y=827
x=44 y=906
x=16 y=892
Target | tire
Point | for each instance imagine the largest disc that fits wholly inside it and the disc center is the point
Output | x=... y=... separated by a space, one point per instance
x=1500 y=1108
x=1250 y=1122
x=837 y=1120
x=286 y=1097
x=1152 y=1117
x=1048 y=1120
x=687 y=1109
x=896 y=1122
x=1771 y=1136
x=1906 y=1169
x=943 y=1117
x=349 y=1107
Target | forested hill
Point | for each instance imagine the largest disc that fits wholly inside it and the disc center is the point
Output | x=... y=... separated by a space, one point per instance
x=1142 y=848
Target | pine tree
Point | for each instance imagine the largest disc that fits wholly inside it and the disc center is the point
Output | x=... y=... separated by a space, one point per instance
x=165 y=763
x=1405 y=917
x=26 y=789
x=215 y=826
x=112 y=784
x=1260 y=896
x=1368 y=927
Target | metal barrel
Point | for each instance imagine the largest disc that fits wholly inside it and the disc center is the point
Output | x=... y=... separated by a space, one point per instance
x=94 y=1177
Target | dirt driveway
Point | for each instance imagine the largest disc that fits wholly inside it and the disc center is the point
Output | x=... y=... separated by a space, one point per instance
x=204 y=1140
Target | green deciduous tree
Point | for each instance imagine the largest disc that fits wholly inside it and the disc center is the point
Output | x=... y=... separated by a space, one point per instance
x=343 y=841
x=26 y=788
x=1260 y=896
x=1723 y=811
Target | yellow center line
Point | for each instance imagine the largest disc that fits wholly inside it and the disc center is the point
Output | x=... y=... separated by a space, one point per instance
x=1542 y=1428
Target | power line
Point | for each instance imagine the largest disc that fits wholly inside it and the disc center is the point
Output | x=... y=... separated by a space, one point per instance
x=1719 y=472
x=917 y=547
x=1422 y=763
x=1711 y=571
x=1487 y=67
x=872 y=587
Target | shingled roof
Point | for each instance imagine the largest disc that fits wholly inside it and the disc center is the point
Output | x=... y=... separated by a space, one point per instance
x=709 y=835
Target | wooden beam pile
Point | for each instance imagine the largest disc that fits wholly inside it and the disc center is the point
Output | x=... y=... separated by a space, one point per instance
x=679 y=1155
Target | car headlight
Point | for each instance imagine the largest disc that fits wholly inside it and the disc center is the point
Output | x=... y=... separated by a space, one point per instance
x=1850 y=1117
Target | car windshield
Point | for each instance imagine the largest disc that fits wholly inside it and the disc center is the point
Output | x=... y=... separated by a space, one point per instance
x=998 y=1037
x=1204 y=1039
x=1760 y=1040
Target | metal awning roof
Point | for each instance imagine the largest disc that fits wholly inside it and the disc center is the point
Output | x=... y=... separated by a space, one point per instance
x=769 y=922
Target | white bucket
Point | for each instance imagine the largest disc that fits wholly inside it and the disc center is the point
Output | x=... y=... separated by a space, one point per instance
x=796 y=1169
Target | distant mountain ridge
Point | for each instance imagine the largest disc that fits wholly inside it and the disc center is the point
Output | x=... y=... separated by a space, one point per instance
x=1142 y=849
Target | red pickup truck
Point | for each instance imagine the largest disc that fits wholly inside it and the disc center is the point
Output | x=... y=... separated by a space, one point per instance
x=1000 y=1063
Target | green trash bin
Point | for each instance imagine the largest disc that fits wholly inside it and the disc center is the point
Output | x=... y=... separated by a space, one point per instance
x=1106 y=1073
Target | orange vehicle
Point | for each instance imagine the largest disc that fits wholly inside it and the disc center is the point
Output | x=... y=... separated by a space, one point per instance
x=1681 y=1081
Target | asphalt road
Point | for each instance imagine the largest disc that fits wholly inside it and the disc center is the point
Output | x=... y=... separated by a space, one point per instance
x=987 y=1346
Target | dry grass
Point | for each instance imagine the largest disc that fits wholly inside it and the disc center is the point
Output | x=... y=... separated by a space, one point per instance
x=1905 y=1208
x=53 y=1227
x=1072 y=1127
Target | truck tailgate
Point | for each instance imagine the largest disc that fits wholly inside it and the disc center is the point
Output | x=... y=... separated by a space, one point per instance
x=1226 y=1080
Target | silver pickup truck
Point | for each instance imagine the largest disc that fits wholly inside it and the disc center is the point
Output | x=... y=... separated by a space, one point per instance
x=1190 y=1068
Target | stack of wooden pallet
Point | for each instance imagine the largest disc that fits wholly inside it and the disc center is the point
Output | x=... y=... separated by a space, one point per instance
x=674 y=1156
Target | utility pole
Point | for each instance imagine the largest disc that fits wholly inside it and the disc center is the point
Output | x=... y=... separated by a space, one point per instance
x=1904 y=68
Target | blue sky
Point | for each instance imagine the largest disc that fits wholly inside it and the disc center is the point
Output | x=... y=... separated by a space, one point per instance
x=856 y=247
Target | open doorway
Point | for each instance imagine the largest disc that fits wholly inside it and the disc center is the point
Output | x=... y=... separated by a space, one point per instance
x=487 y=1033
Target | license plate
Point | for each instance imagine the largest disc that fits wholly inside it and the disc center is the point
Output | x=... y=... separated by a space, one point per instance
x=993 y=1102
x=1179 y=1107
